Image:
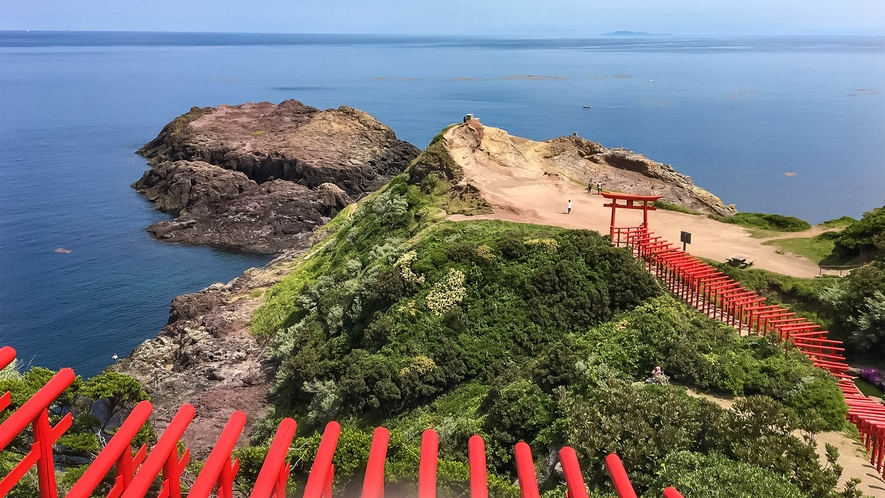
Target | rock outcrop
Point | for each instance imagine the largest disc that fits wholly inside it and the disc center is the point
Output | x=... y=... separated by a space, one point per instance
x=261 y=177
x=206 y=356
x=478 y=154
x=223 y=208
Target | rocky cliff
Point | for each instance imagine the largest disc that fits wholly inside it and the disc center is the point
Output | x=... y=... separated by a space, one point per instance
x=482 y=155
x=224 y=208
x=206 y=356
x=260 y=177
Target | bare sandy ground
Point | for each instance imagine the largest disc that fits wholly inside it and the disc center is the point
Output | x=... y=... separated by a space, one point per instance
x=535 y=197
x=855 y=462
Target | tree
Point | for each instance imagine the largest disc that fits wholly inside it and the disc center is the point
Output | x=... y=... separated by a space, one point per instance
x=868 y=332
x=81 y=443
x=117 y=390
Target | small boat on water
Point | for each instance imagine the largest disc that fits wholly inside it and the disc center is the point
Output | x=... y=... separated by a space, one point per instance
x=587 y=107
x=651 y=81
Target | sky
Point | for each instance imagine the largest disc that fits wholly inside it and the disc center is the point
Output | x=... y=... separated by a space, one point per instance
x=528 y=18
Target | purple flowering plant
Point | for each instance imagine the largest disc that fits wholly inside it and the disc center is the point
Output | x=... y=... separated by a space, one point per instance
x=874 y=377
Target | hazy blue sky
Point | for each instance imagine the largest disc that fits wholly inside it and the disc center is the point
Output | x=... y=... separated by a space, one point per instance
x=480 y=17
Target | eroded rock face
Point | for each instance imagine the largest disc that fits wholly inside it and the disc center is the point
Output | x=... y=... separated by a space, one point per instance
x=477 y=152
x=223 y=208
x=262 y=177
x=675 y=187
x=206 y=356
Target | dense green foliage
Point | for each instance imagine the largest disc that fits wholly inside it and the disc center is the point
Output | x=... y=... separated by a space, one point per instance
x=393 y=327
x=707 y=354
x=715 y=476
x=841 y=222
x=519 y=332
x=861 y=298
x=644 y=424
x=776 y=222
x=94 y=404
x=862 y=240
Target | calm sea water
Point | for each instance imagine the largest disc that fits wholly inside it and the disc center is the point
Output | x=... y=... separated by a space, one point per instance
x=736 y=114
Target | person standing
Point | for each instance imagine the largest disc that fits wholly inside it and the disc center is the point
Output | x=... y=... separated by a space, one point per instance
x=590 y=186
x=568 y=207
x=599 y=188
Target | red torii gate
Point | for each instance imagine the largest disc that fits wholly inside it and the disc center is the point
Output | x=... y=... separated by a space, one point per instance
x=629 y=204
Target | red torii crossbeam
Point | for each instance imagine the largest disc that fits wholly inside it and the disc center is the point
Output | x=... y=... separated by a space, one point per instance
x=630 y=202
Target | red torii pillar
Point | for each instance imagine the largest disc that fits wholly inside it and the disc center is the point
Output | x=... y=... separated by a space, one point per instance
x=629 y=201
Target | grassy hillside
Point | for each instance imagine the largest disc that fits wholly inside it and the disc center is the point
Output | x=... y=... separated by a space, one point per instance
x=523 y=332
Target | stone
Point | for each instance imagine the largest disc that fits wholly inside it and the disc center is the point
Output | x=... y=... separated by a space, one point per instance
x=262 y=177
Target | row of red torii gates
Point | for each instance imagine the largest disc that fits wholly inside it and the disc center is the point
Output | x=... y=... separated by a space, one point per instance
x=134 y=471
x=717 y=295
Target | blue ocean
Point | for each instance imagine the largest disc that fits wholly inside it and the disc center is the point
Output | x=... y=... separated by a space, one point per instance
x=791 y=125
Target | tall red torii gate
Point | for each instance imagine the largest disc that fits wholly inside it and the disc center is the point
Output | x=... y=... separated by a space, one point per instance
x=630 y=202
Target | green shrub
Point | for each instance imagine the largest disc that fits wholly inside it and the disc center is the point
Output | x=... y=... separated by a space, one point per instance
x=517 y=412
x=464 y=296
x=858 y=304
x=715 y=476
x=864 y=239
x=820 y=400
x=775 y=222
x=840 y=222
x=669 y=206
x=707 y=354
x=641 y=423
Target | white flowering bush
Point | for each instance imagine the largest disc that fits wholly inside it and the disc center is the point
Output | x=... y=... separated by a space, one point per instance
x=420 y=365
x=548 y=245
x=404 y=263
x=485 y=252
x=447 y=293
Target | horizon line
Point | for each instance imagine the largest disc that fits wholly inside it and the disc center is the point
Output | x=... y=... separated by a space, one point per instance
x=613 y=34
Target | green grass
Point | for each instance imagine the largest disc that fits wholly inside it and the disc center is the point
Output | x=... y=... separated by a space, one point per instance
x=769 y=222
x=669 y=206
x=257 y=133
x=439 y=136
x=812 y=248
x=868 y=389
x=761 y=233
x=838 y=222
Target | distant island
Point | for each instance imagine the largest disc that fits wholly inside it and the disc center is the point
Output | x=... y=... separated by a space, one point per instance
x=635 y=33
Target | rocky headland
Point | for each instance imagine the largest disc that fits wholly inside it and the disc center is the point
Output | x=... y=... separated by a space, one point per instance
x=261 y=177
x=482 y=156
x=224 y=195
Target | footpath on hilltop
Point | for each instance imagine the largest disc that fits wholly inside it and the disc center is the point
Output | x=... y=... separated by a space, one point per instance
x=530 y=182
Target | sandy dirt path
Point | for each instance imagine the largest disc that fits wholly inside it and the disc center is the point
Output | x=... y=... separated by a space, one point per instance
x=855 y=462
x=533 y=197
